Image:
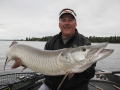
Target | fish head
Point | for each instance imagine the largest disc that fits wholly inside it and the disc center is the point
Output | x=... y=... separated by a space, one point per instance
x=91 y=53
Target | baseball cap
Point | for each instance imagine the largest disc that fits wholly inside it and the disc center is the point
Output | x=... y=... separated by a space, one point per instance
x=64 y=11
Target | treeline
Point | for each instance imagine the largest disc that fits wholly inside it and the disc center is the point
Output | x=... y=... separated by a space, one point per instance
x=111 y=39
x=38 y=39
x=93 y=39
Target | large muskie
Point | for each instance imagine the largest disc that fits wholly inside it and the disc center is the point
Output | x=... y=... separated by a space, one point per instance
x=56 y=62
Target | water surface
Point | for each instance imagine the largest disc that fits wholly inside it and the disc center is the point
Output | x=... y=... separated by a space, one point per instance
x=110 y=63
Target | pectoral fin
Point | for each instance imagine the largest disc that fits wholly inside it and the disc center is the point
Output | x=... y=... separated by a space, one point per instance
x=24 y=67
x=70 y=75
x=62 y=80
x=16 y=64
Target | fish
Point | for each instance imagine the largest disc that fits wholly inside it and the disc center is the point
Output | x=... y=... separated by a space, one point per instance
x=66 y=61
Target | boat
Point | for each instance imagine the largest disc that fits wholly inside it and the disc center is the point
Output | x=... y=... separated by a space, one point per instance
x=103 y=80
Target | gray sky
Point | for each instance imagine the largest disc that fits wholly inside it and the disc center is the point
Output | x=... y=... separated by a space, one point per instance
x=37 y=18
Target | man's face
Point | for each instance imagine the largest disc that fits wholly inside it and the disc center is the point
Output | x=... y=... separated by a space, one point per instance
x=67 y=25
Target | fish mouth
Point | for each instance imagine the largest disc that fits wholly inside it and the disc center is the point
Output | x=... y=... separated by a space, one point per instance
x=98 y=52
x=104 y=53
x=101 y=55
x=106 y=50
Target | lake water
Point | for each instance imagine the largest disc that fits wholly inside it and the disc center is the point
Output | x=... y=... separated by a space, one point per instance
x=111 y=63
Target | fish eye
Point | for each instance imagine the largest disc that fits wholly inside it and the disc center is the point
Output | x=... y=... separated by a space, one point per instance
x=83 y=49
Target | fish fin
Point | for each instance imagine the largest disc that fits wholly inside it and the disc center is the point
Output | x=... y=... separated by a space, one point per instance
x=16 y=64
x=70 y=75
x=24 y=67
x=6 y=62
x=14 y=42
x=62 y=80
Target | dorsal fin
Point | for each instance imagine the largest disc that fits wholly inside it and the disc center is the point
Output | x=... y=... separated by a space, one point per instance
x=13 y=43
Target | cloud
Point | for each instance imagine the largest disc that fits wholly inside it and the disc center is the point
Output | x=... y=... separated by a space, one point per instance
x=37 y=18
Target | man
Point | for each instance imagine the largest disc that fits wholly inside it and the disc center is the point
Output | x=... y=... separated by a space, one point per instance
x=68 y=37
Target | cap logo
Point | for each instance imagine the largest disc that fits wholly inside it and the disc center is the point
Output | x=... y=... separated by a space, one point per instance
x=67 y=11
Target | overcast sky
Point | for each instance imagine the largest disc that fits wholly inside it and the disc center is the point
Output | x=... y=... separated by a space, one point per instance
x=37 y=18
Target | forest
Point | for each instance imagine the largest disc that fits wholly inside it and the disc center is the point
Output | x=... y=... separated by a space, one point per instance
x=93 y=39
